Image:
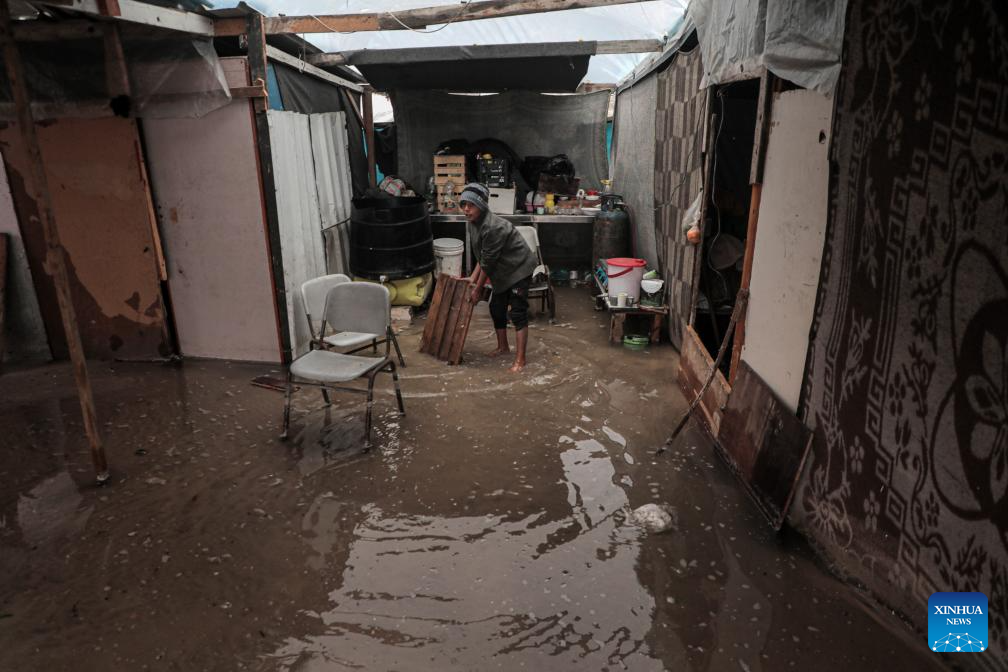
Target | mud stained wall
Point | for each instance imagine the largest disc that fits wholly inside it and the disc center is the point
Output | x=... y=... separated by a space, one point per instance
x=207 y=191
x=680 y=126
x=789 y=241
x=103 y=212
x=907 y=389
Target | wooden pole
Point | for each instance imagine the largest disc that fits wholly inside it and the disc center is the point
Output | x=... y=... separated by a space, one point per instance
x=55 y=254
x=257 y=50
x=369 y=135
x=756 y=180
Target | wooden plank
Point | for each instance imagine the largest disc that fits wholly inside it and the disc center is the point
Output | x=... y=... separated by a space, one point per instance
x=762 y=127
x=764 y=443
x=57 y=31
x=142 y=13
x=462 y=330
x=441 y=319
x=258 y=53
x=694 y=365
x=249 y=91
x=747 y=264
x=308 y=69
x=425 y=16
x=452 y=325
x=432 y=312
x=628 y=47
x=56 y=255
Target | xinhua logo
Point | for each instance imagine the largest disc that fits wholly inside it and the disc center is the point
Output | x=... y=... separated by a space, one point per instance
x=957 y=622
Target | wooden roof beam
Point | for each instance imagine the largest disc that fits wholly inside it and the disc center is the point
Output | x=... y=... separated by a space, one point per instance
x=415 y=19
x=140 y=13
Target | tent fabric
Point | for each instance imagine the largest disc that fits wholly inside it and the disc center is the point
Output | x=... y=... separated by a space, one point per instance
x=532 y=124
x=306 y=94
x=805 y=46
x=680 y=128
x=732 y=36
x=532 y=67
x=634 y=161
x=908 y=465
x=799 y=40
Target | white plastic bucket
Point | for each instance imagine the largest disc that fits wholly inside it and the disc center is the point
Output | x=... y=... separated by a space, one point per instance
x=625 y=276
x=448 y=256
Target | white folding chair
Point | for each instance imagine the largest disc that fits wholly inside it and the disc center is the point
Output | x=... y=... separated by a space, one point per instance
x=541 y=287
x=313 y=297
x=356 y=307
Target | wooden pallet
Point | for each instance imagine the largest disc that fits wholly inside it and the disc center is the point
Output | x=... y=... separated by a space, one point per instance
x=449 y=170
x=448 y=319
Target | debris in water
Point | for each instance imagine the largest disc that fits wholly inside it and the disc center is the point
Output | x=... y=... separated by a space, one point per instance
x=654 y=518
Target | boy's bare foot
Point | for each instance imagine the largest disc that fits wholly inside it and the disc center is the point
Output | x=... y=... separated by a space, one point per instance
x=498 y=352
x=518 y=365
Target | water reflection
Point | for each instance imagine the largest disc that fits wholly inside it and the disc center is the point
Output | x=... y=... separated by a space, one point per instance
x=51 y=510
x=435 y=593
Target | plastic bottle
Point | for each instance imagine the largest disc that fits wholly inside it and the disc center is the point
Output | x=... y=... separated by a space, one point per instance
x=550 y=205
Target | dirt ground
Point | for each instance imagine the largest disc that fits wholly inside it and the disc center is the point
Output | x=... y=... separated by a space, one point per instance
x=487 y=529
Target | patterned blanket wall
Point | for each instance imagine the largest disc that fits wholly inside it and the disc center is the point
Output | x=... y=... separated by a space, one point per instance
x=907 y=382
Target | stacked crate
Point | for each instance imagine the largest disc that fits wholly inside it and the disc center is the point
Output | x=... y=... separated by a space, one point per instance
x=449 y=179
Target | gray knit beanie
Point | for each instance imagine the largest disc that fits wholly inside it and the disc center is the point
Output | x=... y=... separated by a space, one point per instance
x=477 y=194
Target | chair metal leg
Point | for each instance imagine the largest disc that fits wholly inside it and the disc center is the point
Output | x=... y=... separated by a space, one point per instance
x=395 y=343
x=398 y=392
x=367 y=416
x=325 y=397
x=374 y=346
x=287 y=404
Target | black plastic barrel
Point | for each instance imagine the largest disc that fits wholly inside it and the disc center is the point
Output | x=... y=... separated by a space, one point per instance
x=390 y=238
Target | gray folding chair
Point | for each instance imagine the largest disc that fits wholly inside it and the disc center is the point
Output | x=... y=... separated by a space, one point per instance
x=313 y=297
x=356 y=307
x=541 y=287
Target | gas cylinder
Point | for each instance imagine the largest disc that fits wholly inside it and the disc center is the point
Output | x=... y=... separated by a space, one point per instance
x=611 y=233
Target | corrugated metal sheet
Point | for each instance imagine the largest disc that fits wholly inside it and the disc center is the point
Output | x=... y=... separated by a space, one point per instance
x=298 y=213
x=333 y=183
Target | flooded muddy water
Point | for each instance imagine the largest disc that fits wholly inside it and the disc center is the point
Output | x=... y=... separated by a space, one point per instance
x=489 y=528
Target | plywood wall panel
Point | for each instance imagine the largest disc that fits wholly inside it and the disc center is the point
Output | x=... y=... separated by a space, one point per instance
x=789 y=242
x=103 y=213
x=206 y=185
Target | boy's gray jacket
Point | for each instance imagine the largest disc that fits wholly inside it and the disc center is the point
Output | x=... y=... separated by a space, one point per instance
x=501 y=251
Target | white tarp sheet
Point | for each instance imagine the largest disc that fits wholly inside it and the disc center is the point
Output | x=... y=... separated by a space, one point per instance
x=634 y=21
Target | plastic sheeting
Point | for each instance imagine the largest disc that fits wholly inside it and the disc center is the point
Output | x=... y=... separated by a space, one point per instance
x=301 y=242
x=168 y=78
x=333 y=184
x=532 y=124
x=308 y=95
x=799 y=40
x=633 y=161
